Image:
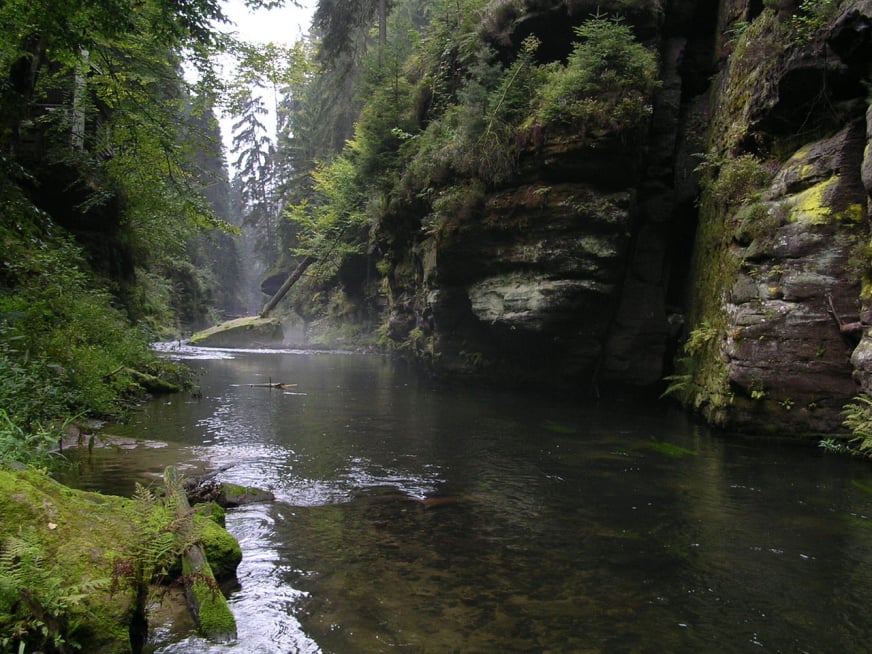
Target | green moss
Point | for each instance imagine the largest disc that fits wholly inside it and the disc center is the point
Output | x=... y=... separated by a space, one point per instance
x=216 y=622
x=69 y=530
x=213 y=511
x=235 y=495
x=88 y=542
x=221 y=548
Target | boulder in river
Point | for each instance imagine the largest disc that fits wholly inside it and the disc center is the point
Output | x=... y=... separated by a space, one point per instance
x=250 y=331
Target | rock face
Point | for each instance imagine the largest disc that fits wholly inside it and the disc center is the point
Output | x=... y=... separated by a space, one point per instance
x=725 y=246
x=562 y=274
x=783 y=223
x=502 y=292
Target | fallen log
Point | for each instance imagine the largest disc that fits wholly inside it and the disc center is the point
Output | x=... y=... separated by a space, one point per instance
x=290 y=281
x=206 y=602
x=192 y=482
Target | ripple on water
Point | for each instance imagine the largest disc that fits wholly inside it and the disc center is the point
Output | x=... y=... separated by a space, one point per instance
x=264 y=604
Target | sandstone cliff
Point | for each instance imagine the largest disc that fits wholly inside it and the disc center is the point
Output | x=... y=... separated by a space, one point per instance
x=725 y=246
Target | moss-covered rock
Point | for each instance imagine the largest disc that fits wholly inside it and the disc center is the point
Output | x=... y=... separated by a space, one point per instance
x=221 y=548
x=76 y=554
x=775 y=259
x=232 y=495
x=80 y=538
x=250 y=331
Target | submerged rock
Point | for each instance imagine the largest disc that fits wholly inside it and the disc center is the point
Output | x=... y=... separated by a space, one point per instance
x=233 y=495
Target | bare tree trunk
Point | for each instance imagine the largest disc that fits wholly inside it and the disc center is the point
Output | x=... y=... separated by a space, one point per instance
x=382 y=23
x=290 y=281
x=80 y=90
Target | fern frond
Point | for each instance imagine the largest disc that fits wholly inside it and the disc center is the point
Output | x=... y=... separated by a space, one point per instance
x=858 y=418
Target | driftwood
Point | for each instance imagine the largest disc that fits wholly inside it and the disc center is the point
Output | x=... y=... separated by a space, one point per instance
x=271 y=385
x=193 y=482
x=853 y=330
x=205 y=599
x=205 y=488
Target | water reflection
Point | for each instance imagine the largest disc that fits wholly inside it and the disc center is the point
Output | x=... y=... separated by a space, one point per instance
x=545 y=525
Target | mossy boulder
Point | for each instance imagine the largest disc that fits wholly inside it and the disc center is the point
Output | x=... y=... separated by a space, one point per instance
x=81 y=550
x=250 y=331
x=222 y=549
x=79 y=538
x=232 y=495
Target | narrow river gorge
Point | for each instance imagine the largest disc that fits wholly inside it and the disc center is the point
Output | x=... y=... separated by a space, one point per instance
x=417 y=517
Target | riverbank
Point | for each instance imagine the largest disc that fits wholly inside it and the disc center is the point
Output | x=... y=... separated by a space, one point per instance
x=79 y=569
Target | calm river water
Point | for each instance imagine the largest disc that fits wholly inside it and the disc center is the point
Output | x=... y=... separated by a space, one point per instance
x=554 y=526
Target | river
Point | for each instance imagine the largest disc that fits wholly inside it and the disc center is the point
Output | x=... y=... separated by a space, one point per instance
x=417 y=517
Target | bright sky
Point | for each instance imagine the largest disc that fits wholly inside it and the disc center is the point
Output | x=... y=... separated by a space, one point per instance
x=283 y=26
x=286 y=25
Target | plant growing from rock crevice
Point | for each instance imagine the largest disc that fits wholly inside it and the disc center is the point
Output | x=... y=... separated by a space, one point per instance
x=858 y=419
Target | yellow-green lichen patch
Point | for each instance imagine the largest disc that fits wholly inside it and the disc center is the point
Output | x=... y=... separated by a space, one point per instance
x=854 y=213
x=811 y=206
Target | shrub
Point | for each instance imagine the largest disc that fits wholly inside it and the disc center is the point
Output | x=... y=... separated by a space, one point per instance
x=812 y=16
x=65 y=348
x=606 y=85
x=737 y=179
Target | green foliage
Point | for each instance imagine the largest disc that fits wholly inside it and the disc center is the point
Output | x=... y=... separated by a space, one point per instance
x=834 y=446
x=62 y=337
x=162 y=533
x=858 y=419
x=812 y=16
x=476 y=136
x=678 y=385
x=103 y=124
x=16 y=444
x=699 y=338
x=734 y=180
x=332 y=227
x=39 y=608
x=607 y=84
x=65 y=350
